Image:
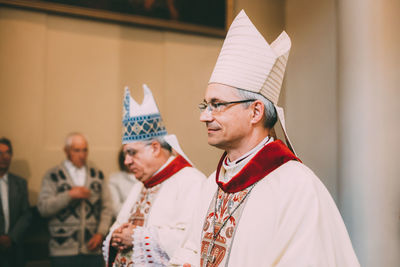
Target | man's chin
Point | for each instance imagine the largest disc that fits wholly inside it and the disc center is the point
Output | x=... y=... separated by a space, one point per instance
x=138 y=176
x=215 y=143
x=79 y=164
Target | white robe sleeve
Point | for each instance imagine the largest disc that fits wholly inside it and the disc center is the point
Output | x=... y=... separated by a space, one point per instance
x=189 y=251
x=310 y=230
x=289 y=220
x=146 y=250
x=185 y=191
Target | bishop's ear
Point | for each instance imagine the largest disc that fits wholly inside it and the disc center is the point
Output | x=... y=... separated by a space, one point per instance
x=155 y=147
x=258 y=111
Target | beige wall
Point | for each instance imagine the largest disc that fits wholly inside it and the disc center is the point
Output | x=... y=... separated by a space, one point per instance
x=267 y=15
x=311 y=89
x=369 y=78
x=342 y=113
x=60 y=74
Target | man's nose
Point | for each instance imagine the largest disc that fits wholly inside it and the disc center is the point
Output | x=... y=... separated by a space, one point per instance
x=206 y=115
x=128 y=160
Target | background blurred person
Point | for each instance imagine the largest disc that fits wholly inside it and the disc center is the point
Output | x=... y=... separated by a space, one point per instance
x=15 y=215
x=77 y=202
x=120 y=184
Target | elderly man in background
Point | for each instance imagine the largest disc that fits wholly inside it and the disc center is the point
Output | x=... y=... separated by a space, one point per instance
x=262 y=206
x=15 y=215
x=76 y=200
x=155 y=217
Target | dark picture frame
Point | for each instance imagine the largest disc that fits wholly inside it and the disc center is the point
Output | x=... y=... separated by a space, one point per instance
x=204 y=17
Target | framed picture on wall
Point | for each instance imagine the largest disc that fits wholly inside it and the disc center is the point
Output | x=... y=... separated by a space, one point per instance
x=206 y=17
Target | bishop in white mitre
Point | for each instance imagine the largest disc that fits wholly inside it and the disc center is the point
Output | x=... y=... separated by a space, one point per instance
x=262 y=206
x=154 y=218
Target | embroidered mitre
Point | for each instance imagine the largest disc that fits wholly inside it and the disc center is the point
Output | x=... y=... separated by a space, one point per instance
x=141 y=122
x=248 y=62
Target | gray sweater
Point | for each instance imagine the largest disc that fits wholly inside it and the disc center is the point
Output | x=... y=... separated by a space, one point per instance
x=73 y=222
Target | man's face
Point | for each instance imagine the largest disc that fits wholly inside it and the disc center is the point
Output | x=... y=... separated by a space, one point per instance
x=228 y=127
x=139 y=159
x=5 y=158
x=78 y=151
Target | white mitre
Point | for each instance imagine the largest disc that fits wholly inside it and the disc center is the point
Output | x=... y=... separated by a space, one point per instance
x=248 y=62
x=142 y=122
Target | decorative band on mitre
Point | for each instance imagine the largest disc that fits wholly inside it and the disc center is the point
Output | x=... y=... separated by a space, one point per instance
x=141 y=122
x=142 y=128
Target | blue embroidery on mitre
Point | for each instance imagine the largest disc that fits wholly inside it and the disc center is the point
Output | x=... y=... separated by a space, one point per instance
x=147 y=124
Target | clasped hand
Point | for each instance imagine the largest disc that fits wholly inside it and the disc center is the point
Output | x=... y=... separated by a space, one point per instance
x=121 y=238
x=79 y=192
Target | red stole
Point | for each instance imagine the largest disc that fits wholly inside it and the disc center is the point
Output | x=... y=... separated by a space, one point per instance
x=173 y=167
x=269 y=158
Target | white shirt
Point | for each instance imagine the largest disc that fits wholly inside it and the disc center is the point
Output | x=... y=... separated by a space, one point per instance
x=4 y=201
x=78 y=175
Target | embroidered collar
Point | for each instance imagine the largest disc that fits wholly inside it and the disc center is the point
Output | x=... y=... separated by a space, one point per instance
x=269 y=158
x=176 y=165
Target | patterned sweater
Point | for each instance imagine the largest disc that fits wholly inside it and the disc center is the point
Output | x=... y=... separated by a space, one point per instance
x=73 y=222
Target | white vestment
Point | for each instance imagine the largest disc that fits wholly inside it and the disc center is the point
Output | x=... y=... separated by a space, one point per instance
x=169 y=215
x=289 y=219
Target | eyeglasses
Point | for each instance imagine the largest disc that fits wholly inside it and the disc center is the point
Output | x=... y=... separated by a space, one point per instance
x=217 y=106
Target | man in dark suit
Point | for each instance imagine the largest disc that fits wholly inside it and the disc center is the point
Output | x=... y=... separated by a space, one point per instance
x=15 y=214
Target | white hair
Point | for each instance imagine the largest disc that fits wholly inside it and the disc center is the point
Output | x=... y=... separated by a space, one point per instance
x=164 y=144
x=70 y=136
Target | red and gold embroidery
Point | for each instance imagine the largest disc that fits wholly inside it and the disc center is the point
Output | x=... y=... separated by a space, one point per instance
x=123 y=262
x=220 y=225
x=141 y=209
x=227 y=206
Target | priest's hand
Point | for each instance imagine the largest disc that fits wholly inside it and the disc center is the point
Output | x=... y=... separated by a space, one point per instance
x=115 y=237
x=126 y=236
x=95 y=241
x=121 y=238
x=79 y=192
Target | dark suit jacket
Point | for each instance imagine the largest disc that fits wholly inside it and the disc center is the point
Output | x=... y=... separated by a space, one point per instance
x=20 y=217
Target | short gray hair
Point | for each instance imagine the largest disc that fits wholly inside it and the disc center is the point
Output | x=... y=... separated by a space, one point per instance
x=270 y=116
x=70 y=136
x=164 y=144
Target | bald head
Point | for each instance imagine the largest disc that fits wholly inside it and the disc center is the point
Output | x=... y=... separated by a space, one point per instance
x=76 y=149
